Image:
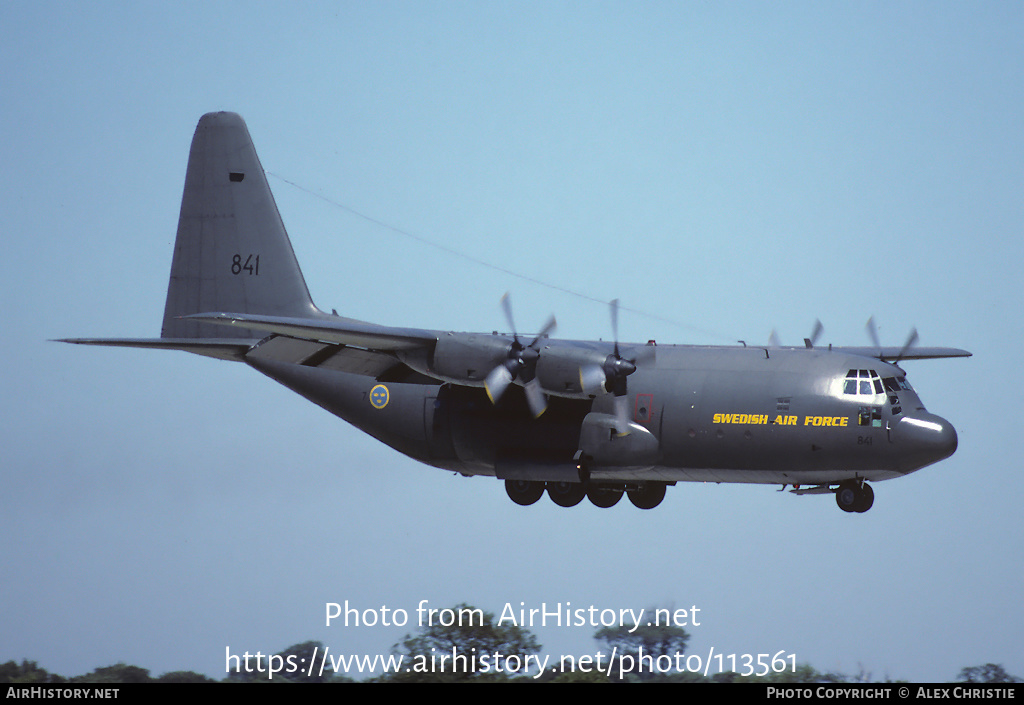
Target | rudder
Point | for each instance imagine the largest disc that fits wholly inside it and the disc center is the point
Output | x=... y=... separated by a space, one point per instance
x=232 y=253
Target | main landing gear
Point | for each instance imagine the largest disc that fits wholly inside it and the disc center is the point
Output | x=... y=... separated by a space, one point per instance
x=644 y=495
x=855 y=496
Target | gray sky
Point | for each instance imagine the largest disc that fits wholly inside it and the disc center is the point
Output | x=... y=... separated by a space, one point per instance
x=733 y=168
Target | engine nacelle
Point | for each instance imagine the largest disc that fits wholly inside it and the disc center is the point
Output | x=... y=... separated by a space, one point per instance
x=602 y=445
x=468 y=357
x=558 y=370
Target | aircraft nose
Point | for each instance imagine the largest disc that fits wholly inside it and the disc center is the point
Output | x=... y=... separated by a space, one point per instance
x=928 y=437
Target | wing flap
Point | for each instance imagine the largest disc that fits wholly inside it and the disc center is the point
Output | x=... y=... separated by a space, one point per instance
x=327 y=356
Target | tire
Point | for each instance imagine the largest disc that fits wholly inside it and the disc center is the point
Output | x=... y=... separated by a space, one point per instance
x=524 y=492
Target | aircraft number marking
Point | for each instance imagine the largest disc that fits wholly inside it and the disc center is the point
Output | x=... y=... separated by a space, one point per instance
x=865 y=440
x=251 y=264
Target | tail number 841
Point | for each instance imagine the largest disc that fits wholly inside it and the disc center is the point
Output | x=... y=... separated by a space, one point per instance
x=250 y=264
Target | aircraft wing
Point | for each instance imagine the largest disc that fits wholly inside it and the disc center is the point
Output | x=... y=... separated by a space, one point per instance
x=913 y=353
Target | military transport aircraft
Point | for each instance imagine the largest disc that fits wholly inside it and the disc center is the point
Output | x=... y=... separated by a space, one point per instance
x=575 y=419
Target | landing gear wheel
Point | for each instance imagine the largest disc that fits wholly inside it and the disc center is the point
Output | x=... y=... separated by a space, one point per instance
x=648 y=495
x=852 y=496
x=866 y=499
x=846 y=496
x=604 y=497
x=566 y=494
x=524 y=492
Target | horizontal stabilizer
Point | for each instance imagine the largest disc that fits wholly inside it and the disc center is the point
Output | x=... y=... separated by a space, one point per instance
x=222 y=348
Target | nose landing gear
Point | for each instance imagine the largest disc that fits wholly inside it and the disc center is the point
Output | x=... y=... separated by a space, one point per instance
x=855 y=496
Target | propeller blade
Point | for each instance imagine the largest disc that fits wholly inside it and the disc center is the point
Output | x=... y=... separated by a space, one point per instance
x=520 y=362
x=547 y=330
x=614 y=303
x=622 y=415
x=773 y=340
x=911 y=341
x=535 y=398
x=497 y=382
x=592 y=379
x=644 y=353
x=617 y=368
x=873 y=332
x=506 y=304
x=816 y=333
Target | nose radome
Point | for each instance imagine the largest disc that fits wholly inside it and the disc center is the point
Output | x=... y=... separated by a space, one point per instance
x=927 y=435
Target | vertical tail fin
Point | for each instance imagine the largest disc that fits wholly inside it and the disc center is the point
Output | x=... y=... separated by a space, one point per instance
x=232 y=253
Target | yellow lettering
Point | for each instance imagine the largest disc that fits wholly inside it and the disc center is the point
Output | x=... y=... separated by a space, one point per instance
x=825 y=421
x=755 y=419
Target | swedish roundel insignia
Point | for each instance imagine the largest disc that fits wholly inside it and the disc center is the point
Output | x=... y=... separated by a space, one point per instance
x=379 y=396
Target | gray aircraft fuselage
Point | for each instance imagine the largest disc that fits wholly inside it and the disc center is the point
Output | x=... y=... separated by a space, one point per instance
x=719 y=414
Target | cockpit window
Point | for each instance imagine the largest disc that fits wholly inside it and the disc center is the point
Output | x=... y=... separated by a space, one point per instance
x=866 y=382
x=895 y=384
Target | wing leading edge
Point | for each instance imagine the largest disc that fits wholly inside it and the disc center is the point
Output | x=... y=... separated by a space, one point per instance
x=893 y=354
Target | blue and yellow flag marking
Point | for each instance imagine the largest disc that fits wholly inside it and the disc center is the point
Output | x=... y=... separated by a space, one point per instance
x=379 y=397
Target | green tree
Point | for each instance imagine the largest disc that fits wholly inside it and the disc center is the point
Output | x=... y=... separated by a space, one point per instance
x=297 y=658
x=464 y=644
x=290 y=666
x=118 y=673
x=26 y=672
x=988 y=673
x=803 y=673
x=184 y=677
x=650 y=641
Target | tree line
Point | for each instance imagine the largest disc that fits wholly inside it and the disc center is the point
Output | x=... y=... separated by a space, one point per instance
x=426 y=657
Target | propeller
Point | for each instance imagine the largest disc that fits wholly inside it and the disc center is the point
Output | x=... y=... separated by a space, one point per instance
x=611 y=375
x=815 y=334
x=873 y=333
x=773 y=339
x=520 y=362
x=910 y=342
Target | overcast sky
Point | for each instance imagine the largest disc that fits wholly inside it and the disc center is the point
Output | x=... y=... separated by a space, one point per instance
x=725 y=169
